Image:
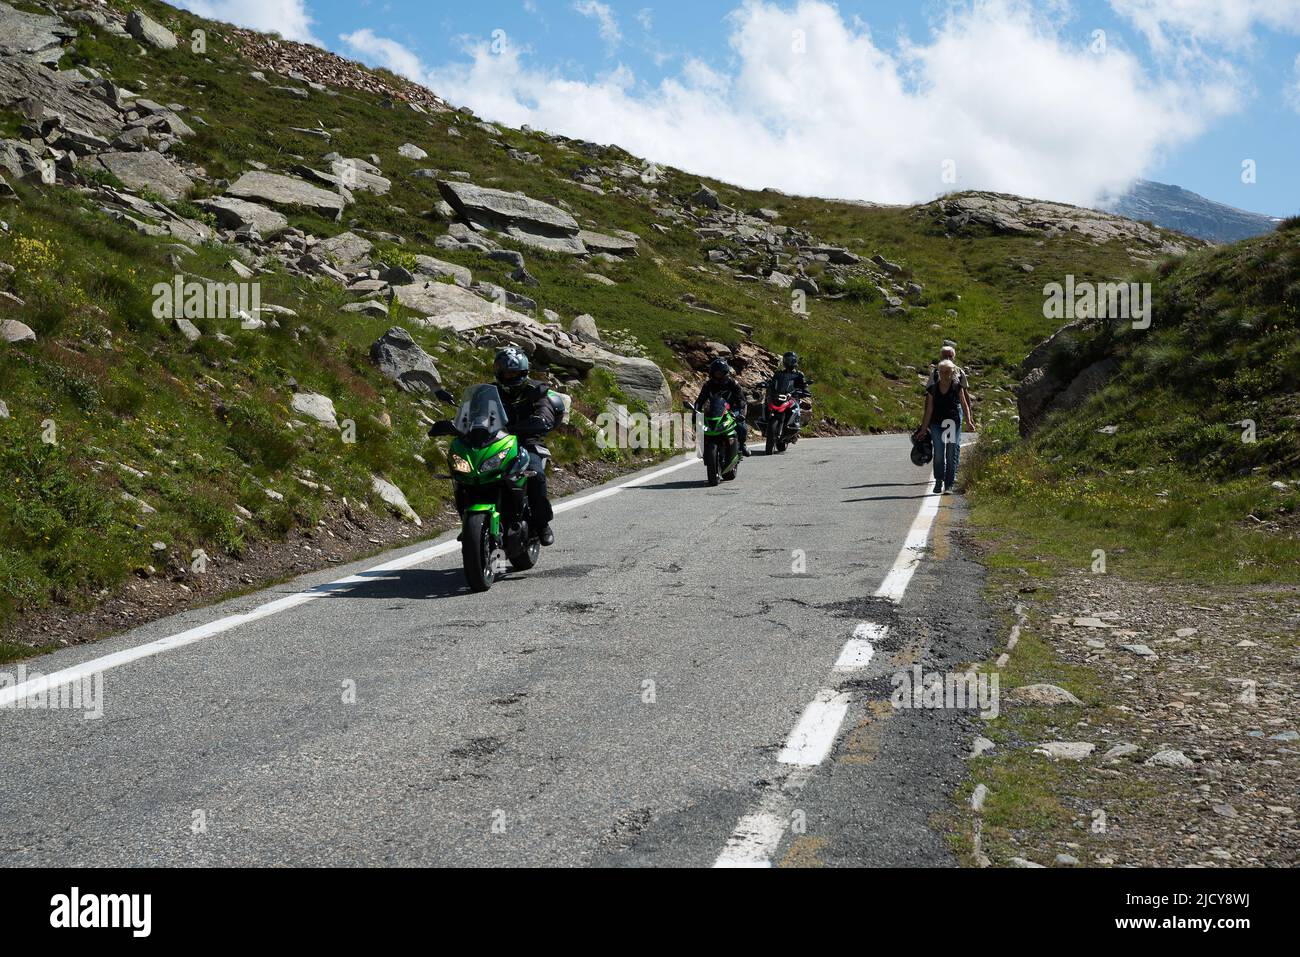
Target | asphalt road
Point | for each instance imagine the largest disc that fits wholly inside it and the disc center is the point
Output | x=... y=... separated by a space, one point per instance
x=625 y=703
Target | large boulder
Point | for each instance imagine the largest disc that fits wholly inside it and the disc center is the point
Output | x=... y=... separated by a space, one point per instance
x=429 y=266
x=444 y=306
x=614 y=245
x=346 y=249
x=1088 y=382
x=1033 y=395
x=23 y=161
x=280 y=190
x=64 y=96
x=639 y=379
x=240 y=214
x=520 y=217
x=147 y=170
x=400 y=358
x=150 y=31
x=1053 y=380
x=32 y=34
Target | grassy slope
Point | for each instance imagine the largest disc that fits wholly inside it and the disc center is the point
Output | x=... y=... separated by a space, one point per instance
x=1178 y=491
x=208 y=424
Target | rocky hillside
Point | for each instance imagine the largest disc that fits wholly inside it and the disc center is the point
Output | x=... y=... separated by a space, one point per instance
x=236 y=269
x=1173 y=207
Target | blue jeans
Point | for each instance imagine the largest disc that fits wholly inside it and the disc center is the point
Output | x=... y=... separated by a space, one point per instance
x=946 y=454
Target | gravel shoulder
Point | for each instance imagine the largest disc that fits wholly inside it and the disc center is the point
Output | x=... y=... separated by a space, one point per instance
x=1186 y=727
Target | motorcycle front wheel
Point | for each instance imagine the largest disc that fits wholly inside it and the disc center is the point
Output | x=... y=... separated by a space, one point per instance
x=713 y=461
x=526 y=559
x=476 y=551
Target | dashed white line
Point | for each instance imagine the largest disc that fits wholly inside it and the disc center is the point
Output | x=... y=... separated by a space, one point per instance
x=909 y=557
x=859 y=650
x=11 y=694
x=814 y=735
x=758 y=834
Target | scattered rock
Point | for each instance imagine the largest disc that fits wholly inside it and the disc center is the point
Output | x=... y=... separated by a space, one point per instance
x=1169 y=758
x=584 y=327
x=1066 y=750
x=316 y=406
x=187 y=329
x=280 y=190
x=523 y=219
x=1041 y=694
x=11 y=330
x=147 y=169
x=345 y=249
x=393 y=497
x=411 y=151
x=239 y=214
x=150 y=31
x=400 y=358
x=1142 y=651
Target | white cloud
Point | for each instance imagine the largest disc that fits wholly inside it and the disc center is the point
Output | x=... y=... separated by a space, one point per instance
x=1229 y=23
x=1293 y=88
x=602 y=14
x=994 y=89
x=646 y=18
x=289 y=18
x=380 y=51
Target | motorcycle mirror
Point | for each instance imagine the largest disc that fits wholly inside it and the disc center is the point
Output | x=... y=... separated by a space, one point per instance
x=444 y=396
x=442 y=428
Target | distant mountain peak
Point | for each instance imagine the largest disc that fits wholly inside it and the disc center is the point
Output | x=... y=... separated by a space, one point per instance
x=1176 y=208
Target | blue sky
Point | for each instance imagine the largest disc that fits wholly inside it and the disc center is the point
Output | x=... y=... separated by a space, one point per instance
x=867 y=99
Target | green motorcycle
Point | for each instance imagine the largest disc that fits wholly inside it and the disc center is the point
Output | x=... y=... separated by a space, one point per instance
x=721 y=440
x=490 y=471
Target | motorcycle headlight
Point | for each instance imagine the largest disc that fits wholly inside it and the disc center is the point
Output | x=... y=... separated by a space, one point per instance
x=459 y=464
x=494 y=463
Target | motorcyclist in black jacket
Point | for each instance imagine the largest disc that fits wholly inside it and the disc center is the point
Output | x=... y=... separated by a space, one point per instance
x=789 y=380
x=721 y=382
x=533 y=410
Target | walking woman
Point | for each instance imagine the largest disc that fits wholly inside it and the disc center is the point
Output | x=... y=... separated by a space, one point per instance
x=947 y=407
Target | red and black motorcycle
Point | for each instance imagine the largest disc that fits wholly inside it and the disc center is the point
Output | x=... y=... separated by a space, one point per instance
x=782 y=419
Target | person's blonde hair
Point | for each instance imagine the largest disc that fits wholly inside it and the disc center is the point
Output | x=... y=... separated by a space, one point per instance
x=947 y=370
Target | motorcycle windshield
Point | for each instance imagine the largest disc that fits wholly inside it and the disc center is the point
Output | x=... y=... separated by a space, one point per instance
x=716 y=408
x=482 y=412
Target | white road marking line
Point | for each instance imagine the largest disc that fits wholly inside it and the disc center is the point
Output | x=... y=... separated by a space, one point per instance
x=814 y=735
x=909 y=557
x=11 y=694
x=861 y=648
x=758 y=835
